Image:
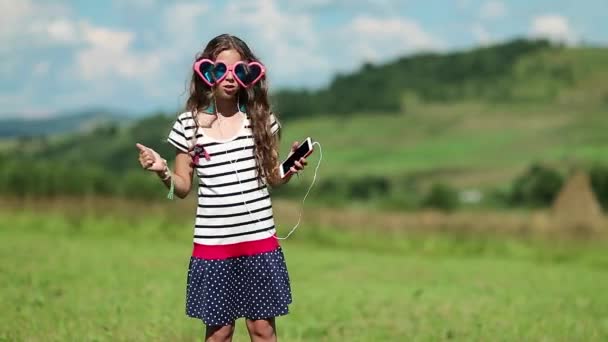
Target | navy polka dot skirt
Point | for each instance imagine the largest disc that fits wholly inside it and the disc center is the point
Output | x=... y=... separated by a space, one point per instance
x=219 y=291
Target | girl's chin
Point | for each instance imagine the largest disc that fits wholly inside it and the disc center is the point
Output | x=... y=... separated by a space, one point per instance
x=221 y=94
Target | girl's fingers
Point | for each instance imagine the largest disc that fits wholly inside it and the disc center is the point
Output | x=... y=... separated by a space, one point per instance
x=293 y=169
x=141 y=147
x=145 y=163
x=300 y=163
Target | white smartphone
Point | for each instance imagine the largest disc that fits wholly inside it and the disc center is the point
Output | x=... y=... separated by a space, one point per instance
x=303 y=151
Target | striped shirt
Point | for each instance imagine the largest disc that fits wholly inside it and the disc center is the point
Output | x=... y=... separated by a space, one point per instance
x=234 y=216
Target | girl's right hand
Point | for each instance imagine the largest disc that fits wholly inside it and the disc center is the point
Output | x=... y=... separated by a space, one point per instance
x=150 y=159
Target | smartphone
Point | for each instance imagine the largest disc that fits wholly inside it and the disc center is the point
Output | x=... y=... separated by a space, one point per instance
x=303 y=151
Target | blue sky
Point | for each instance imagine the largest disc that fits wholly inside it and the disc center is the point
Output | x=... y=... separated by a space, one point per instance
x=135 y=55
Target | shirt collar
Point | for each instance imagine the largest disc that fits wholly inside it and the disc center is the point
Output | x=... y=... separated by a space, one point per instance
x=211 y=108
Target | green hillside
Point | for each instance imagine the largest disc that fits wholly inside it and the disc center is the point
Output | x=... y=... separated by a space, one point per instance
x=470 y=119
x=519 y=71
x=78 y=121
x=468 y=144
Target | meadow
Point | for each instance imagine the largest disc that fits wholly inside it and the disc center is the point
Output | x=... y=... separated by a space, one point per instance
x=108 y=270
x=366 y=264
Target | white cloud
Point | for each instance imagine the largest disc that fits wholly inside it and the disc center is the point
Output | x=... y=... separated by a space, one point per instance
x=311 y=5
x=462 y=4
x=11 y=12
x=25 y=23
x=108 y=53
x=135 y=4
x=53 y=44
x=41 y=68
x=99 y=52
x=286 y=40
x=289 y=42
x=382 y=7
x=62 y=30
x=375 y=39
x=181 y=31
x=91 y=62
x=481 y=34
x=184 y=16
x=493 y=9
x=553 y=27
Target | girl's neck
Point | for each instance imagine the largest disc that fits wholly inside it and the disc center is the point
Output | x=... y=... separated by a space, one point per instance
x=226 y=107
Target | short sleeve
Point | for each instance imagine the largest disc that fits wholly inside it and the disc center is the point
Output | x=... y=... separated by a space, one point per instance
x=275 y=125
x=177 y=136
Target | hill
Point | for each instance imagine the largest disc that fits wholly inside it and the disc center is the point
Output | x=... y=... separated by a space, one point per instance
x=465 y=144
x=477 y=128
x=519 y=71
x=69 y=122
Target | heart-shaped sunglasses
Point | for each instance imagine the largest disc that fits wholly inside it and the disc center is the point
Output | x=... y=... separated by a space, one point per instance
x=212 y=73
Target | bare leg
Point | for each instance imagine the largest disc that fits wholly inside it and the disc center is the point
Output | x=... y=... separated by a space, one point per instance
x=262 y=330
x=219 y=333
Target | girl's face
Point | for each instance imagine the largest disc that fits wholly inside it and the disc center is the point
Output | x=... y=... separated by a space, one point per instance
x=229 y=87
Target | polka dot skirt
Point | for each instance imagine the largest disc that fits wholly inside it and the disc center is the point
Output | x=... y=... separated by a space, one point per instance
x=223 y=290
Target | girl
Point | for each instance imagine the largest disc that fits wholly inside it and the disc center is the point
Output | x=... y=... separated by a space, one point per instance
x=229 y=135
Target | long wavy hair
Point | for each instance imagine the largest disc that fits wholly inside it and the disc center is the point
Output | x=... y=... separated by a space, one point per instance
x=254 y=98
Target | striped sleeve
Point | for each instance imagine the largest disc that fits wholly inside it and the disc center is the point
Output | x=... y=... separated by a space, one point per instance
x=275 y=125
x=177 y=136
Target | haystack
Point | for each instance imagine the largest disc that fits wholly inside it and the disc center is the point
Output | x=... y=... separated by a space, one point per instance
x=576 y=205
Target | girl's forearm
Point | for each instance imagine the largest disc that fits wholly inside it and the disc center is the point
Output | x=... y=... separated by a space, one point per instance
x=181 y=186
x=277 y=180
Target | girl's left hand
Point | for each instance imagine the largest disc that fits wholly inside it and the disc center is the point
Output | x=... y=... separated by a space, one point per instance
x=299 y=164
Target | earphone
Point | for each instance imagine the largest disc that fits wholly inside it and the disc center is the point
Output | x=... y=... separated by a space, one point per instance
x=243 y=194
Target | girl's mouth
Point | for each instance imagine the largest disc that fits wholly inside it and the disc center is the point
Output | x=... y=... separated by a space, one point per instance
x=229 y=89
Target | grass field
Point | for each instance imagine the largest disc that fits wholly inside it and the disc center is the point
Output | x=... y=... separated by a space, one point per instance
x=122 y=278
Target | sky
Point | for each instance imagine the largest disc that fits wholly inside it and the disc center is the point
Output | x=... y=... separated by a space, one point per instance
x=136 y=55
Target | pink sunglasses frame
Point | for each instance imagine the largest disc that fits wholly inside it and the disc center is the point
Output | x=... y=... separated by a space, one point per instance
x=229 y=68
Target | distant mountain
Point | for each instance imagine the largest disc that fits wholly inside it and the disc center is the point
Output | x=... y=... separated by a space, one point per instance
x=68 y=122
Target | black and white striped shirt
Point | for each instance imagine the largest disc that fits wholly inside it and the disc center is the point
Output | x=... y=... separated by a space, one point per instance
x=228 y=212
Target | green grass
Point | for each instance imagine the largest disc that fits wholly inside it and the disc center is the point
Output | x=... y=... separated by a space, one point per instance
x=123 y=279
x=7 y=145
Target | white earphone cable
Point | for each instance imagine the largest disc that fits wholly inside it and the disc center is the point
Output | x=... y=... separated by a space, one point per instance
x=314 y=179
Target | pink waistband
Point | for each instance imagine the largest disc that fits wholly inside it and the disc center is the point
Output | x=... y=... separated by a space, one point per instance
x=234 y=250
